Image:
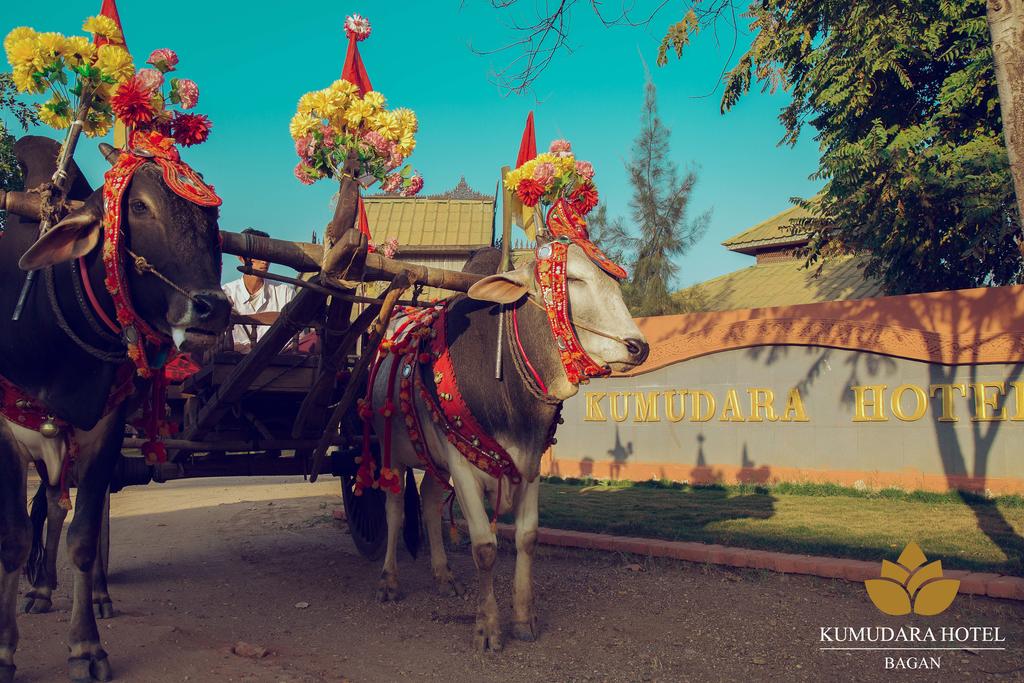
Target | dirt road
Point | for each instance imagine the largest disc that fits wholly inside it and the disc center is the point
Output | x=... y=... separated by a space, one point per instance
x=200 y=565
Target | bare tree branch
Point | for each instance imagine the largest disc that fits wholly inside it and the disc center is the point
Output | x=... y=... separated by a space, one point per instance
x=547 y=33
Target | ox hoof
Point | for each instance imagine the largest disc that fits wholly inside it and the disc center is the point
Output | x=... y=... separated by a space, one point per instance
x=450 y=587
x=104 y=609
x=487 y=638
x=36 y=604
x=7 y=673
x=387 y=590
x=525 y=630
x=90 y=668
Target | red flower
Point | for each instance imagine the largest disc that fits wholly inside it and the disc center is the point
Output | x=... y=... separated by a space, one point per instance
x=584 y=198
x=529 y=191
x=132 y=103
x=190 y=129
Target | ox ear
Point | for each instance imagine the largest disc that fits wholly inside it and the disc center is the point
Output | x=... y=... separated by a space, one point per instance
x=503 y=288
x=75 y=236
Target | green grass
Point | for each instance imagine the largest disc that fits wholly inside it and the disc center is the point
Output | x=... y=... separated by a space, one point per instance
x=965 y=531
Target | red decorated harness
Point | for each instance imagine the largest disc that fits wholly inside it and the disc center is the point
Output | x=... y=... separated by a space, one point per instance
x=419 y=347
x=27 y=411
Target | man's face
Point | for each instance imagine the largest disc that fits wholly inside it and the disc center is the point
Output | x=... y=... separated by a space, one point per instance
x=256 y=264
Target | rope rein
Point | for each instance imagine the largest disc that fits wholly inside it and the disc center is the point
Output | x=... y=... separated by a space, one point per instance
x=531 y=298
x=142 y=266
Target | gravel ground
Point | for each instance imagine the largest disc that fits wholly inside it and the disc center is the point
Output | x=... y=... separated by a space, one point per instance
x=198 y=566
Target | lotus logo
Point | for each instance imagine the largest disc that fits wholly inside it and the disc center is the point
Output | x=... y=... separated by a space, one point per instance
x=910 y=585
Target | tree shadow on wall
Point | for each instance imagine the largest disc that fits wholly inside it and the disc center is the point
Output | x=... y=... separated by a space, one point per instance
x=965 y=326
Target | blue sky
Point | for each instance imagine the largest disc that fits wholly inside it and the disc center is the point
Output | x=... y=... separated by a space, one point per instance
x=252 y=61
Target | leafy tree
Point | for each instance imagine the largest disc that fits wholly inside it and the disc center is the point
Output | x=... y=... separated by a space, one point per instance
x=905 y=107
x=902 y=97
x=25 y=115
x=659 y=205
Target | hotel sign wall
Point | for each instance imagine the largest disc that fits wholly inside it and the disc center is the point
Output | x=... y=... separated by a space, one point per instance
x=923 y=391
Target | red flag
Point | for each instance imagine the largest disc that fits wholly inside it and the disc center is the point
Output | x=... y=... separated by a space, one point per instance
x=528 y=146
x=354 y=71
x=364 y=223
x=109 y=9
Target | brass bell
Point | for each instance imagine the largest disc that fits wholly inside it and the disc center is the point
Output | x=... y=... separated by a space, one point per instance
x=49 y=429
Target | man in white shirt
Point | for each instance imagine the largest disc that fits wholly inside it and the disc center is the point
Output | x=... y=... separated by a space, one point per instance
x=252 y=294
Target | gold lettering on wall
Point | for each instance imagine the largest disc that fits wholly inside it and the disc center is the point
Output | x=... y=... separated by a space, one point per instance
x=794 y=407
x=991 y=402
x=896 y=402
x=762 y=399
x=670 y=412
x=948 y=410
x=1018 y=400
x=700 y=399
x=869 y=397
x=731 y=410
x=594 y=412
x=613 y=402
x=646 y=407
x=983 y=401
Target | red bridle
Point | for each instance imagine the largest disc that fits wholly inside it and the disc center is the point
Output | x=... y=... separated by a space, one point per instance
x=567 y=227
x=145 y=147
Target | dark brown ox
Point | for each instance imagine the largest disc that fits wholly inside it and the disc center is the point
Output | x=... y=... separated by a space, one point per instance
x=514 y=415
x=38 y=354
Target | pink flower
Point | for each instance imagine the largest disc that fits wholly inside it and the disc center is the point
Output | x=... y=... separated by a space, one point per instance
x=560 y=147
x=305 y=146
x=328 y=136
x=377 y=141
x=390 y=248
x=392 y=183
x=187 y=91
x=304 y=173
x=357 y=27
x=414 y=186
x=395 y=159
x=544 y=173
x=149 y=79
x=164 y=59
x=585 y=169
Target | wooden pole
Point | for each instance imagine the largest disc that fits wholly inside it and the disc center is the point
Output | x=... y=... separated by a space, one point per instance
x=506 y=222
x=1006 y=25
x=53 y=197
x=356 y=380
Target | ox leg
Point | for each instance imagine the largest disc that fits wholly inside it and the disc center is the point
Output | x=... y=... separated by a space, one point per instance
x=39 y=598
x=101 y=602
x=387 y=588
x=487 y=631
x=433 y=508
x=15 y=538
x=524 y=622
x=87 y=660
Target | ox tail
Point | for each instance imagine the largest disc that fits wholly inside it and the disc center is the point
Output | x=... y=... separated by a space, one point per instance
x=413 y=518
x=34 y=567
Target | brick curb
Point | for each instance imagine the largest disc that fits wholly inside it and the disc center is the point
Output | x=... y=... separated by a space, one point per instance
x=975 y=583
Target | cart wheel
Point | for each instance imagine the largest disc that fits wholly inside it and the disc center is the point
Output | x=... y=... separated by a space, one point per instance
x=367 y=520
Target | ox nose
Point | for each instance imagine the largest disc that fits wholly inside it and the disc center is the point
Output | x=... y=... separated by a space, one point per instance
x=211 y=307
x=638 y=349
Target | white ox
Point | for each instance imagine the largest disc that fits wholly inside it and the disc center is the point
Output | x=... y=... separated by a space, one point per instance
x=512 y=410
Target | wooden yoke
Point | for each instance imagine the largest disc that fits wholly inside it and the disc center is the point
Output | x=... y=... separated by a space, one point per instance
x=345 y=247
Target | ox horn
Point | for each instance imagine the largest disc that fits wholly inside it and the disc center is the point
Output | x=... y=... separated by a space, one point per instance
x=111 y=154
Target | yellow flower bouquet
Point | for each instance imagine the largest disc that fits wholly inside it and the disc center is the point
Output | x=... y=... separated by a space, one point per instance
x=74 y=70
x=331 y=122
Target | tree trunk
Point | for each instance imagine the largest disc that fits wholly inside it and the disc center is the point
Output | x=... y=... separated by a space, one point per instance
x=1006 y=24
